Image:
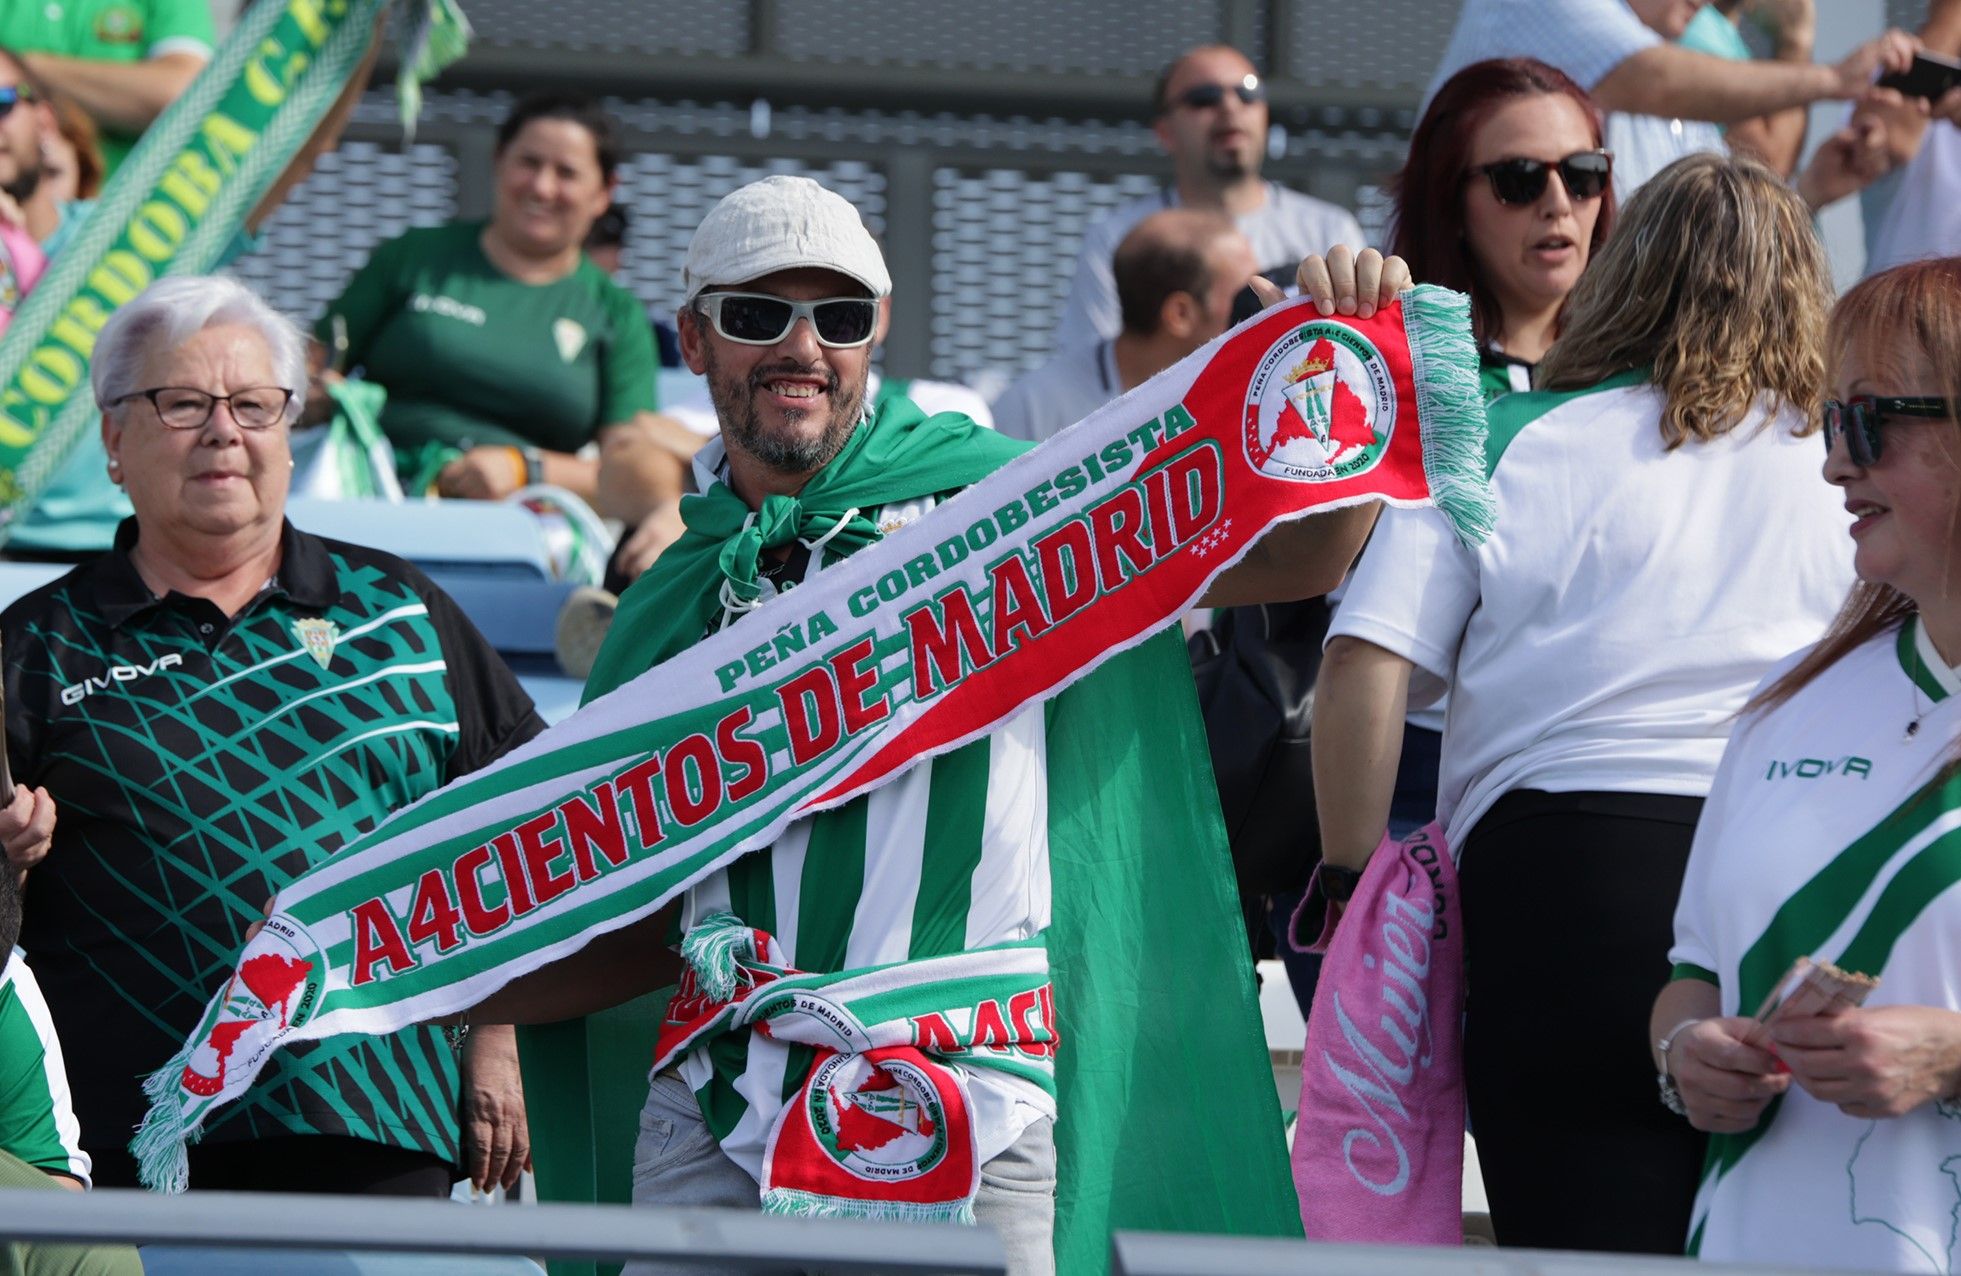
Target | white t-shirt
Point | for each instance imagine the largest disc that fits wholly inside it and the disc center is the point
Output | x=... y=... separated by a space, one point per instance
x=1628 y=601
x=1811 y=845
x=1916 y=213
x=1586 y=39
x=1283 y=230
x=1045 y=402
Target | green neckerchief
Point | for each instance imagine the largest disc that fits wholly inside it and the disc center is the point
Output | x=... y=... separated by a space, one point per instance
x=901 y=454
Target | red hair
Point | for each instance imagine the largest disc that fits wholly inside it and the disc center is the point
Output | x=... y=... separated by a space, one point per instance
x=1428 y=226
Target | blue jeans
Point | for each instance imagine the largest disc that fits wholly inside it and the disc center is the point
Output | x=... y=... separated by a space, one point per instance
x=676 y=1161
x=1413 y=806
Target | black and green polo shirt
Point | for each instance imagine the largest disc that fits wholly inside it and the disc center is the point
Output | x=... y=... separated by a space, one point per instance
x=199 y=763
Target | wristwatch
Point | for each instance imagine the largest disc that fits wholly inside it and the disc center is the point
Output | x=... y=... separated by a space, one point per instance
x=1338 y=883
x=1671 y=1094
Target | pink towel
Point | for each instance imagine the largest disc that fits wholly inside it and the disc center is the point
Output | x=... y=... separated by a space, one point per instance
x=1379 y=1147
x=27 y=264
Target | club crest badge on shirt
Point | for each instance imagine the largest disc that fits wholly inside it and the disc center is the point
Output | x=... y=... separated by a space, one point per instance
x=570 y=338
x=317 y=637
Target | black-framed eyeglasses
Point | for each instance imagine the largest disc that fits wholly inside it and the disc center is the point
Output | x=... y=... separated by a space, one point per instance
x=1203 y=97
x=257 y=407
x=1585 y=175
x=12 y=95
x=759 y=319
x=1858 y=419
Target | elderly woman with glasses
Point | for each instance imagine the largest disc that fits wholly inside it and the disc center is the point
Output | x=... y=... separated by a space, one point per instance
x=1830 y=835
x=212 y=707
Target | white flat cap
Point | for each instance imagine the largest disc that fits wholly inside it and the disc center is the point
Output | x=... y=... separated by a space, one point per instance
x=781 y=223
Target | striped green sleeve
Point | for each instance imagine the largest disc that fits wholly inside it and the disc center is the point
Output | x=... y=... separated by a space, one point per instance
x=1689 y=970
x=27 y=1103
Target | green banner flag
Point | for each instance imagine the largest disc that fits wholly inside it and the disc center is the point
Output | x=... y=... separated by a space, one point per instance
x=171 y=210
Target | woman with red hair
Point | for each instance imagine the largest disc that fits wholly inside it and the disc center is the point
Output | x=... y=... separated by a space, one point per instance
x=1506 y=195
x=1836 y=1128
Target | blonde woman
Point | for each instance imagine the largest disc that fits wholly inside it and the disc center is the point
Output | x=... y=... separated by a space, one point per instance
x=1845 y=1157
x=1661 y=541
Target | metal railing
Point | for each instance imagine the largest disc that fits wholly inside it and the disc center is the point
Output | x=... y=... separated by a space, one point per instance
x=741 y=1240
x=1168 y=1254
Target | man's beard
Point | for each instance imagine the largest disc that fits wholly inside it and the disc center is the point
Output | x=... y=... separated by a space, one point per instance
x=742 y=426
x=1228 y=166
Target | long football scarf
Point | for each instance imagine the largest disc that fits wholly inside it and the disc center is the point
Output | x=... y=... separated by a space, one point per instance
x=1059 y=561
x=172 y=208
x=880 y=1124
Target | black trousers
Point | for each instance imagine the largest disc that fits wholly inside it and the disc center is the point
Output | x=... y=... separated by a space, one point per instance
x=297 y=1163
x=1569 y=903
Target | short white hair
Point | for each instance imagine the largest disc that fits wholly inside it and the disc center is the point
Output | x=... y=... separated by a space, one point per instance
x=172 y=311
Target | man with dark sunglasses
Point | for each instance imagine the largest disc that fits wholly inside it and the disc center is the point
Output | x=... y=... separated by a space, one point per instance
x=782 y=286
x=1211 y=118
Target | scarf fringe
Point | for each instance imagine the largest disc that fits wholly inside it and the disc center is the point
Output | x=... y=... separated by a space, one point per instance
x=800 y=1204
x=1450 y=406
x=162 y=1145
x=713 y=950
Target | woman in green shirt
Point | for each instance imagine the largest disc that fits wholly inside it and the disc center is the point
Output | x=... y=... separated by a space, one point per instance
x=503 y=349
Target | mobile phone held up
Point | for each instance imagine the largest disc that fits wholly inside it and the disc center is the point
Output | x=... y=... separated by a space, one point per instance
x=1930 y=76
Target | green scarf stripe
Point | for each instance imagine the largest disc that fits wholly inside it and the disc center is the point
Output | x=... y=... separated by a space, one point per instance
x=956 y=813
x=722 y=1107
x=800 y=1060
x=752 y=889
x=833 y=882
x=969 y=991
x=1916 y=668
x=1809 y=917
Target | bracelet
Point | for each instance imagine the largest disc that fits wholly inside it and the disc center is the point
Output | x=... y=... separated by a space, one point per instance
x=1671 y=1094
x=457 y=1033
x=1667 y=1040
x=523 y=465
x=534 y=466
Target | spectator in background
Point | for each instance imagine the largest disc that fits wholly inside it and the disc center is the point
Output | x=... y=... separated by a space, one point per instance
x=1596 y=650
x=1211 y=110
x=289 y=694
x=121 y=61
x=71 y=155
x=40 y=1144
x=1506 y=196
x=504 y=350
x=79 y=509
x=1776 y=139
x=1177 y=273
x=1662 y=100
x=37 y=1123
x=606 y=241
x=1914 y=212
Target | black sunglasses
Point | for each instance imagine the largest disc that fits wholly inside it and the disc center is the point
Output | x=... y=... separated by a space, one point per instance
x=1858 y=420
x=1200 y=97
x=13 y=95
x=1521 y=181
x=759 y=319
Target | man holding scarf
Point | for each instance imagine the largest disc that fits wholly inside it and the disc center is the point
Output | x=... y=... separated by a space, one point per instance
x=1079 y=840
